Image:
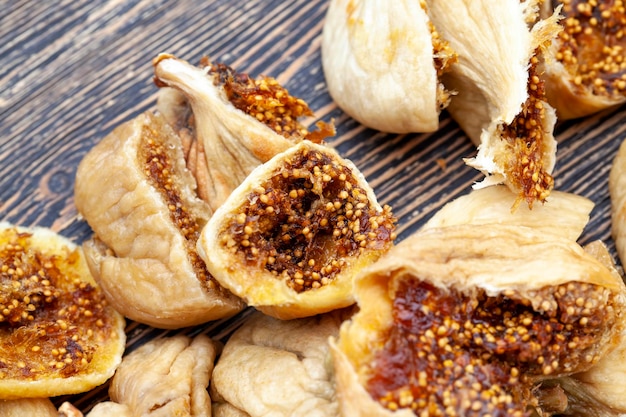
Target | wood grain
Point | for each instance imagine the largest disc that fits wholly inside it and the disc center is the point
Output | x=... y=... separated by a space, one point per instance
x=72 y=70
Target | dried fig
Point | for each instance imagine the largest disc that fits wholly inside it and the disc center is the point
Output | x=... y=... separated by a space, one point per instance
x=566 y=214
x=500 y=101
x=58 y=334
x=617 y=192
x=279 y=367
x=585 y=69
x=166 y=377
x=28 y=407
x=382 y=62
x=162 y=378
x=473 y=320
x=136 y=194
x=238 y=123
x=289 y=239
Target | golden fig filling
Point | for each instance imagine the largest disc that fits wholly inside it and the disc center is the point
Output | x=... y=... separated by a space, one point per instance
x=267 y=101
x=526 y=139
x=452 y=354
x=51 y=321
x=592 y=45
x=306 y=221
x=158 y=170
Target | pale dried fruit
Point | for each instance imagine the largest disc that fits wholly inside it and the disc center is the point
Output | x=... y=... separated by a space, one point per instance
x=596 y=391
x=473 y=320
x=617 y=192
x=28 y=407
x=278 y=367
x=238 y=123
x=290 y=238
x=162 y=378
x=500 y=101
x=136 y=194
x=564 y=214
x=382 y=61
x=585 y=71
x=104 y=409
x=166 y=377
x=58 y=334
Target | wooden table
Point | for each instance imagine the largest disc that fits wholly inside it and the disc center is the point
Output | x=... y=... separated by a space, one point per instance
x=70 y=71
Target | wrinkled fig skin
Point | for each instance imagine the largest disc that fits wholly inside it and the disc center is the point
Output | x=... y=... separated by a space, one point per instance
x=143 y=258
x=514 y=264
x=163 y=378
x=379 y=65
x=564 y=214
x=279 y=368
x=493 y=82
x=585 y=72
x=167 y=377
x=232 y=142
x=28 y=407
x=104 y=409
x=617 y=192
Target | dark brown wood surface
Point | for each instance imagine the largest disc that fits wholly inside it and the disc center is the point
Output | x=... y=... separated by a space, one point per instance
x=70 y=71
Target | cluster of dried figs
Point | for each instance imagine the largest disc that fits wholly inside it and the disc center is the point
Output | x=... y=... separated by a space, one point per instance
x=504 y=71
x=222 y=199
x=218 y=200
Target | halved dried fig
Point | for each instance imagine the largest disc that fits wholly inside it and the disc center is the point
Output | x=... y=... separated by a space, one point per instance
x=566 y=214
x=278 y=367
x=585 y=71
x=382 y=62
x=136 y=194
x=238 y=122
x=473 y=320
x=289 y=239
x=58 y=334
x=500 y=101
x=596 y=391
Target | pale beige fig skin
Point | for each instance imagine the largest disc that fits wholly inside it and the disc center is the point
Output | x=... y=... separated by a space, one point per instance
x=104 y=409
x=604 y=381
x=232 y=142
x=601 y=379
x=227 y=410
x=617 y=192
x=260 y=288
x=108 y=354
x=563 y=214
x=272 y=367
x=378 y=64
x=465 y=258
x=167 y=377
x=139 y=257
x=28 y=407
x=494 y=45
x=163 y=378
